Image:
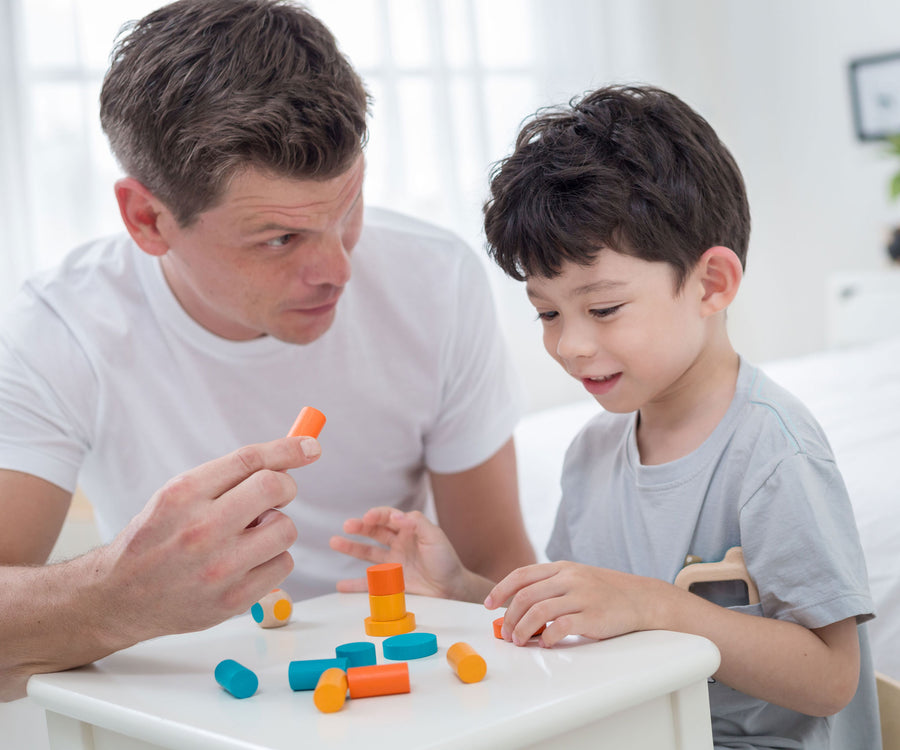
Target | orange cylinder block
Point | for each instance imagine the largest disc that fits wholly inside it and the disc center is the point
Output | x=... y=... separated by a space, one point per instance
x=385 y=579
x=309 y=422
x=331 y=690
x=466 y=662
x=378 y=679
x=389 y=607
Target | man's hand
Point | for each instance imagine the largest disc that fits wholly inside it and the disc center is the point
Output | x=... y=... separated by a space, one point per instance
x=206 y=546
x=209 y=543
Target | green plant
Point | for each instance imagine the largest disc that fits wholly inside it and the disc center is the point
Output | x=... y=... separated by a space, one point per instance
x=893 y=148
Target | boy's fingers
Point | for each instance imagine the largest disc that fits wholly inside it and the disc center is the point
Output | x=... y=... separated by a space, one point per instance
x=360 y=550
x=515 y=582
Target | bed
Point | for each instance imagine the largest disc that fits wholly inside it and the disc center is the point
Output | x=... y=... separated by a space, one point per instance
x=854 y=392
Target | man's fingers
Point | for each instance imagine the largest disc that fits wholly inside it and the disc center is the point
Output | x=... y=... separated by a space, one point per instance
x=222 y=474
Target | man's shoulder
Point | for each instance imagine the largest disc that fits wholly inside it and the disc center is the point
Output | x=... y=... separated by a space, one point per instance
x=96 y=280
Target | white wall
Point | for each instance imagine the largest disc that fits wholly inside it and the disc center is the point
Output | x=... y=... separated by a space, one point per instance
x=771 y=76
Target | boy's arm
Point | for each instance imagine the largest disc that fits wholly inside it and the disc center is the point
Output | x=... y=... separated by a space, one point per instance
x=811 y=671
x=205 y=547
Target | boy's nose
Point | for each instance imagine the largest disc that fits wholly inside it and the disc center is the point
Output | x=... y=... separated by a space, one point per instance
x=575 y=341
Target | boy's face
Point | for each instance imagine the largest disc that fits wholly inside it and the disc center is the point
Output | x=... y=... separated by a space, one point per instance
x=272 y=258
x=619 y=327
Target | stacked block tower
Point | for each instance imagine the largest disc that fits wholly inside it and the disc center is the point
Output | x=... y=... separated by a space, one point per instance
x=387 y=601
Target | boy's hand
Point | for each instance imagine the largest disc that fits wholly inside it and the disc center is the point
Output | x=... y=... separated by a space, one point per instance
x=575 y=599
x=430 y=564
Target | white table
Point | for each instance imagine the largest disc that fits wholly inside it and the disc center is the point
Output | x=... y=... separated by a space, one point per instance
x=644 y=690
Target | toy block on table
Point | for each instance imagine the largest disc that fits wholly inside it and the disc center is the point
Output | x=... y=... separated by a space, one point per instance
x=273 y=610
x=498 y=626
x=387 y=601
x=409 y=646
x=304 y=674
x=466 y=662
x=358 y=654
x=236 y=678
x=378 y=679
x=331 y=690
x=309 y=423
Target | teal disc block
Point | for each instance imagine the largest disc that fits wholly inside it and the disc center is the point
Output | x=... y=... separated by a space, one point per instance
x=236 y=678
x=409 y=646
x=357 y=654
x=256 y=612
x=305 y=674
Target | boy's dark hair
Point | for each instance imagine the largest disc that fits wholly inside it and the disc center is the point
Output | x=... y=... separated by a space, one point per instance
x=200 y=89
x=633 y=169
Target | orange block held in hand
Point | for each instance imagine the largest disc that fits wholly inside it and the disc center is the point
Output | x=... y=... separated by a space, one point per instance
x=309 y=423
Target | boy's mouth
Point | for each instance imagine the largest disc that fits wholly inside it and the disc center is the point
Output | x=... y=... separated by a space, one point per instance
x=597 y=386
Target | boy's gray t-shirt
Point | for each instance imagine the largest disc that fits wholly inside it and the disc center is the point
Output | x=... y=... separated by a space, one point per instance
x=765 y=480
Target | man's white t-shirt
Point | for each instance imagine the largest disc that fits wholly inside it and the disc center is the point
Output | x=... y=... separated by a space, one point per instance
x=106 y=383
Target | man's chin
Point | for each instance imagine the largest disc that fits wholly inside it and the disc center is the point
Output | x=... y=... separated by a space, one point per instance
x=303 y=331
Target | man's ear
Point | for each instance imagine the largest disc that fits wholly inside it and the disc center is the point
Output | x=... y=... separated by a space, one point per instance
x=141 y=211
x=719 y=272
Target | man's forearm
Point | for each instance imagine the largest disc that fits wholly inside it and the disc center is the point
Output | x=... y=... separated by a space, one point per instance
x=53 y=617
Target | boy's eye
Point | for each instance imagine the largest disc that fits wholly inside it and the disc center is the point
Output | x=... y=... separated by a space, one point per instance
x=280 y=241
x=546 y=316
x=605 y=312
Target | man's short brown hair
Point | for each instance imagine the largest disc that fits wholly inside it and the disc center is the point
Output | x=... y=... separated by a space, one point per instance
x=630 y=168
x=199 y=90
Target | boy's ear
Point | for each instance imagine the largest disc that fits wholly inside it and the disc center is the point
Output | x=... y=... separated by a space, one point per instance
x=719 y=272
x=141 y=211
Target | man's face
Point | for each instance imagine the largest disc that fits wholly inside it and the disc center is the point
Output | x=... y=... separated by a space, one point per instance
x=272 y=258
x=619 y=326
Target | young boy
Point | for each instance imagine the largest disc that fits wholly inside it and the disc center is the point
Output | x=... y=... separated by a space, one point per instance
x=627 y=218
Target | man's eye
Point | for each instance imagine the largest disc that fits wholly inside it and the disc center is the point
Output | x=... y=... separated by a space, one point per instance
x=281 y=241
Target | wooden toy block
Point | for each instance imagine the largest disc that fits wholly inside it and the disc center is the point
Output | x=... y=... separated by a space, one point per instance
x=331 y=690
x=380 y=629
x=385 y=579
x=305 y=674
x=409 y=646
x=387 y=607
x=236 y=678
x=273 y=610
x=379 y=679
x=731 y=568
x=358 y=654
x=466 y=662
x=309 y=422
x=498 y=626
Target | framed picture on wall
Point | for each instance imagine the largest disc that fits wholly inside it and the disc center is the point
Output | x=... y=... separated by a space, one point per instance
x=875 y=91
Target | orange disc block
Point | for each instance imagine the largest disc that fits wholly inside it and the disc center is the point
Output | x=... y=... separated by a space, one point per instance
x=331 y=690
x=385 y=579
x=390 y=607
x=380 y=629
x=466 y=662
x=378 y=679
x=309 y=422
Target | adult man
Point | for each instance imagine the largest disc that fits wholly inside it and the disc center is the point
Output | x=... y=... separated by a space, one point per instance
x=228 y=307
